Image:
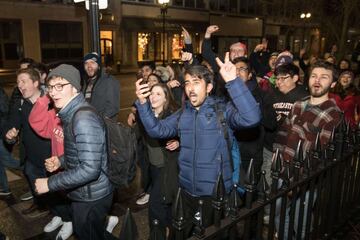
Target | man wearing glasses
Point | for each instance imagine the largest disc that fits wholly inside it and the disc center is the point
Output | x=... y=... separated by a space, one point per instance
x=84 y=160
x=287 y=92
x=251 y=140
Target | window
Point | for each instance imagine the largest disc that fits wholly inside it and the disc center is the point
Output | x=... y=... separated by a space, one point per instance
x=10 y=43
x=177 y=46
x=61 y=40
x=233 y=6
x=145 y=46
x=190 y=3
x=177 y=3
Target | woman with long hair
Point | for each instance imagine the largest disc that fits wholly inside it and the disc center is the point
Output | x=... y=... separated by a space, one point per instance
x=161 y=158
x=347 y=97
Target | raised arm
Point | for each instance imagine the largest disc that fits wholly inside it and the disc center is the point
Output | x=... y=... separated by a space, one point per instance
x=206 y=50
x=165 y=128
x=243 y=110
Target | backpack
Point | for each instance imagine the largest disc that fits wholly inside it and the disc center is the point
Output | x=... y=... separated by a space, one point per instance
x=233 y=150
x=121 y=151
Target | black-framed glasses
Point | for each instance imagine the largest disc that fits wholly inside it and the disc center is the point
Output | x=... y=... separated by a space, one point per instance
x=242 y=69
x=57 y=87
x=282 y=79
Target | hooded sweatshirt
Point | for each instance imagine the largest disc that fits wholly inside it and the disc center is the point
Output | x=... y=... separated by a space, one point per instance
x=47 y=124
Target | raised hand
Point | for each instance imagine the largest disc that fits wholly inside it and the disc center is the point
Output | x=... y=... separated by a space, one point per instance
x=210 y=30
x=186 y=56
x=187 y=36
x=173 y=83
x=227 y=68
x=142 y=91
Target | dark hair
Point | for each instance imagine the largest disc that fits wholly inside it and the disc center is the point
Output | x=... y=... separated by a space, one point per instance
x=170 y=104
x=327 y=66
x=345 y=60
x=349 y=91
x=284 y=69
x=200 y=72
x=33 y=73
x=41 y=67
x=29 y=61
x=151 y=64
x=242 y=59
x=155 y=75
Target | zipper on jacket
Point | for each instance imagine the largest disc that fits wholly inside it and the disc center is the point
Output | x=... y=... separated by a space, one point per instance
x=194 y=157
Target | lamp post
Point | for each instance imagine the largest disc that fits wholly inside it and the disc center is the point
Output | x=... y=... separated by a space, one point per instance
x=93 y=6
x=304 y=16
x=163 y=11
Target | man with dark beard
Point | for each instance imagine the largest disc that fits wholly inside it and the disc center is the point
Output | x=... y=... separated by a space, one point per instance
x=101 y=89
x=317 y=114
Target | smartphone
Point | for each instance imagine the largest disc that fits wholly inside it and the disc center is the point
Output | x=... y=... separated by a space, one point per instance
x=139 y=75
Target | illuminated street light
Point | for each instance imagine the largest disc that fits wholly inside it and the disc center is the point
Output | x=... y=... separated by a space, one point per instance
x=163 y=11
x=93 y=6
x=304 y=16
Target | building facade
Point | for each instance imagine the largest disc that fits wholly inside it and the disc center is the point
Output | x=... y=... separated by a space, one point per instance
x=133 y=31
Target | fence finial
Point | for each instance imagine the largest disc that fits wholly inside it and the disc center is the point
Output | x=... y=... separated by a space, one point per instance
x=218 y=199
x=262 y=188
x=178 y=213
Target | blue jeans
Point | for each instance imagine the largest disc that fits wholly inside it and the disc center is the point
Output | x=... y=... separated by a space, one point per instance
x=6 y=160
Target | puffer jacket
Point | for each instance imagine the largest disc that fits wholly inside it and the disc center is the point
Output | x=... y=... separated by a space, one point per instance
x=203 y=151
x=85 y=158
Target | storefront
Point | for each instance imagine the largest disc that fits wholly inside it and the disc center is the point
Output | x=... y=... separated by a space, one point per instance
x=151 y=41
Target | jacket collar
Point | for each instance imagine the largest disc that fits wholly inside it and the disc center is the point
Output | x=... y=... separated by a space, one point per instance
x=210 y=101
x=67 y=112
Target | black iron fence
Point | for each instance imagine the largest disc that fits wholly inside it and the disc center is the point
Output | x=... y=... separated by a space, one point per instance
x=309 y=198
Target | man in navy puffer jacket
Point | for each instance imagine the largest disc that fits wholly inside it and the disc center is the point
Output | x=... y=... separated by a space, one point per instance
x=85 y=159
x=203 y=153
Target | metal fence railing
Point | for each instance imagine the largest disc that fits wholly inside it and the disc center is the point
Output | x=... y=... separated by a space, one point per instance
x=309 y=198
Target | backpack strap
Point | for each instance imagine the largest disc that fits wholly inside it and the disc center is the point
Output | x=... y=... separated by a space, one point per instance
x=224 y=128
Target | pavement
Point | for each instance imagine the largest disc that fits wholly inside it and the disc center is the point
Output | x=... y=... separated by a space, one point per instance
x=17 y=226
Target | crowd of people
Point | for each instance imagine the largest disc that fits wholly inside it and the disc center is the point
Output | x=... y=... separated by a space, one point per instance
x=187 y=117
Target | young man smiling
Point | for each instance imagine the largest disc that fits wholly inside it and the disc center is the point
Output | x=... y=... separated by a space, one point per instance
x=37 y=149
x=85 y=159
x=203 y=149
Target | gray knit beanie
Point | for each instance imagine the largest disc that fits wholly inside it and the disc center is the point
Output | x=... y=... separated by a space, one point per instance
x=69 y=73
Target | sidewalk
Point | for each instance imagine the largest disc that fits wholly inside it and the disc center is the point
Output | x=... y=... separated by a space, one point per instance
x=17 y=226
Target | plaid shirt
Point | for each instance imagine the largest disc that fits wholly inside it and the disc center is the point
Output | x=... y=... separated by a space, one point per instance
x=304 y=122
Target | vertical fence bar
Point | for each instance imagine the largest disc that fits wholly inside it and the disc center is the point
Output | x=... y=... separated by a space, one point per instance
x=218 y=200
x=275 y=175
x=178 y=219
x=250 y=187
x=262 y=189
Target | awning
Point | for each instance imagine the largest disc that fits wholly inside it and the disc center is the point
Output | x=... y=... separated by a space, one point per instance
x=156 y=25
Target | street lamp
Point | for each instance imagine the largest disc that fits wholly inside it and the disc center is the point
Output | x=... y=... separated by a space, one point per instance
x=163 y=11
x=304 y=16
x=93 y=6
